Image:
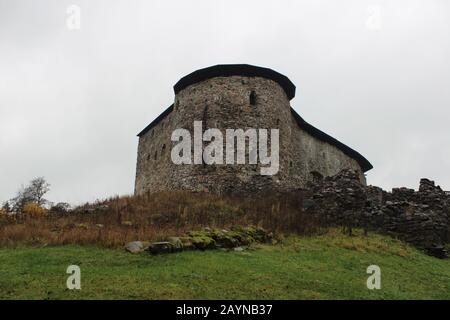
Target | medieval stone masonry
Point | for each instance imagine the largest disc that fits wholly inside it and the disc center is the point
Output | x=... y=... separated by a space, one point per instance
x=239 y=97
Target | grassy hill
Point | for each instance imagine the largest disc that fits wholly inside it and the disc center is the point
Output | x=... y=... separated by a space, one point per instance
x=330 y=266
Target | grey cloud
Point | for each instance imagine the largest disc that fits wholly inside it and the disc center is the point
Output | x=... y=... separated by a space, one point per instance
x=71 y=102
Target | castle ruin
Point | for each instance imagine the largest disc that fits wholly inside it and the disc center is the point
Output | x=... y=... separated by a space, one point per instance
x=239 y=96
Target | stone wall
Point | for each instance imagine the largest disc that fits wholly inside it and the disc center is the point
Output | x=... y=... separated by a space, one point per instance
x=421 y=217
x=224 y=103
x=312 y=158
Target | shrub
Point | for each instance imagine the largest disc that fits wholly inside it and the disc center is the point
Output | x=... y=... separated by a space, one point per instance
x=60 y=207
x=33 y=209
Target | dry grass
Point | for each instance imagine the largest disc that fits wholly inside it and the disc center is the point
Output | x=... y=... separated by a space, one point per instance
x=113 y=222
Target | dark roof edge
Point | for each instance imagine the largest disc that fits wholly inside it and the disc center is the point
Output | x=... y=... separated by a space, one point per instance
x=156 y=121
x=363 y=162
x=227 y=70
x=313 y=131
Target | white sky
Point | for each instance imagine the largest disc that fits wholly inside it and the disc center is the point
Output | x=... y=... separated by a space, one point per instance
x=373 y=74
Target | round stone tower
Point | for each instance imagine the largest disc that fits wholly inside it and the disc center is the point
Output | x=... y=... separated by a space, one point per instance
x=238 y=97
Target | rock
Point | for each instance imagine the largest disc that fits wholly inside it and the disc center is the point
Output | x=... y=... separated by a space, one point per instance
x=176 y=243
x=255 y=233
x=161 y=247
x=239 y=249
x=202 y=240
x=187 y=243
x=127 y=223
x=427 y=185
x=438 y=251
x=204 y=243
x=134 y=247
x=225 y=239
x=81 y=226
x=99 y=225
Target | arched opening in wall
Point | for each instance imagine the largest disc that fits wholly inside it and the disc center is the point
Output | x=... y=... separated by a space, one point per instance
x=252 y=98
x=163 y=148
x=156 y=155
x=148 y=157
x=316 y=176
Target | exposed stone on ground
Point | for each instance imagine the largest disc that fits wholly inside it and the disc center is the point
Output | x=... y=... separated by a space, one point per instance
x=134 y=247
x=176 y=243
x=239 y=237
x=187 y=243
x=161 y=247
x=225 y=239
x=255 y=233
x=202 y=240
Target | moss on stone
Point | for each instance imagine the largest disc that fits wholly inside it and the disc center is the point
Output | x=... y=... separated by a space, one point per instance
x=202 y=240
x=176 y=243
x=187 y=243
x=256 y=233
x=225 y=239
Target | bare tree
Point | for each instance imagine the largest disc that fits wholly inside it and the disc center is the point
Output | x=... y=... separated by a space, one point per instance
x=37 y=189
x=6 y=206
x=34 y=192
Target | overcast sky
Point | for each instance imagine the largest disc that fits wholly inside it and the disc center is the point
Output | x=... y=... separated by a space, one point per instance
x=373 y=74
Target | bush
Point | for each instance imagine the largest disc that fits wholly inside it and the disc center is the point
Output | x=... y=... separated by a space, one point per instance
x=33 y=209
x=60 y=207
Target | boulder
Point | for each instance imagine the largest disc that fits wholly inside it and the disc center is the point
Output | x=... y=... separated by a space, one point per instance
x=134 y=247
x=161 y=247
x=176 y=243
x=187 y=243
x=225 y=238
x=437 y=251
x=202 y=240
x=254 y=233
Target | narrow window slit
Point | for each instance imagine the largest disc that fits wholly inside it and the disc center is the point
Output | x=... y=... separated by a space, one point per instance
x=252 y=98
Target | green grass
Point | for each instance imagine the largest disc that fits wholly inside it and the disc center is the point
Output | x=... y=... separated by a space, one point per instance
x=331 y=266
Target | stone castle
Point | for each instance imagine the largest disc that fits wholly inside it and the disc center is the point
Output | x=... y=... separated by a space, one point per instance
x=239 y=96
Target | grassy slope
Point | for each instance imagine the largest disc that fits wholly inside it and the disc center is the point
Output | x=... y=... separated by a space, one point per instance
x=323 y=267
